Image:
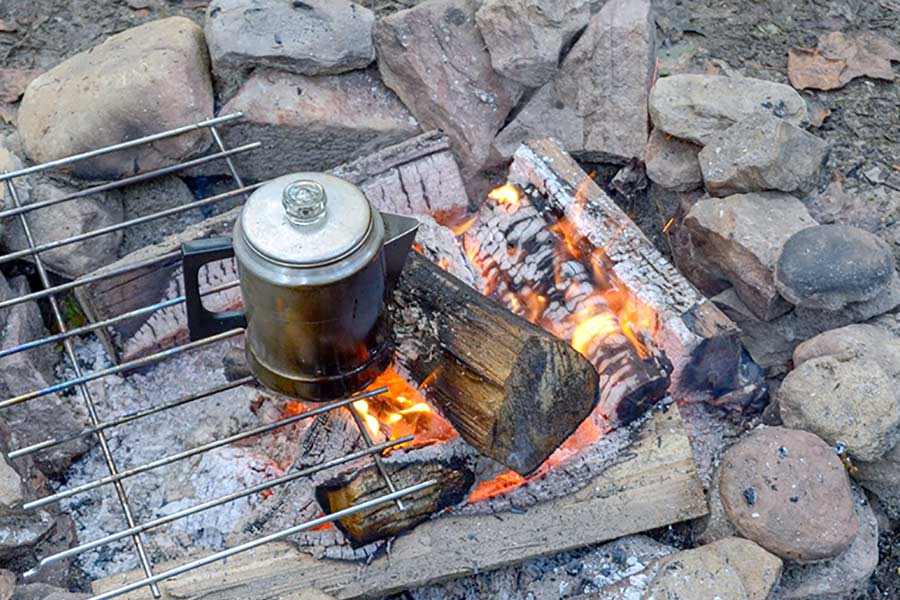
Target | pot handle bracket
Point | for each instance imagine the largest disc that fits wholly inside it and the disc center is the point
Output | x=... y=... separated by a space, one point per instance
x=203 y=323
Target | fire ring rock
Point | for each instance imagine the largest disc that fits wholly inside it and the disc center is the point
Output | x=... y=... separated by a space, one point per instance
x=851 y=402
x=138 y=82
x=787 y=491
x=316 y=37
x=830 y=266
x=696 y=107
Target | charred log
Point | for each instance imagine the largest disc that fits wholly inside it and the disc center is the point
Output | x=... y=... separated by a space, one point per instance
x=543 y=276
x=454 y=480
x=700 y=341
x=512 y=390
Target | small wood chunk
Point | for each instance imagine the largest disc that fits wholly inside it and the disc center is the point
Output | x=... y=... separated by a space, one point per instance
x=454 y=480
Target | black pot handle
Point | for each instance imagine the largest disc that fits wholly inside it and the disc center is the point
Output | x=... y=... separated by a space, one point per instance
x=203 y=323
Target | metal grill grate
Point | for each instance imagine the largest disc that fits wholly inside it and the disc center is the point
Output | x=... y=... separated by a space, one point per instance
x=100 y=424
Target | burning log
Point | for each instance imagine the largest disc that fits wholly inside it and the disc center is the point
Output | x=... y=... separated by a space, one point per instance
x=454 y=480
x=511 y=390
x=700 y=341
x=543 y=278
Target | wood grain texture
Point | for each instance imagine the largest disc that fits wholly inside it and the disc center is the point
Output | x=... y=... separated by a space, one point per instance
x=701 y=342
x=654 y=485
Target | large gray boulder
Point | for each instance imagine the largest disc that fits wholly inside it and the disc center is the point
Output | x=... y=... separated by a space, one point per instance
x=526 y=37
x=760 y=153
x=433 y=56
x=743 y=235
x=696 y=107
x=141 y=81
x=596 y=105
x=314 y=37
x=314 y=123
x=852 y=402
x=830 y=266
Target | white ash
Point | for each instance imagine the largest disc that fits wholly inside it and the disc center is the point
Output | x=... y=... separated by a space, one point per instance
x=584 y=571
x=711 y=431
x=185 y=483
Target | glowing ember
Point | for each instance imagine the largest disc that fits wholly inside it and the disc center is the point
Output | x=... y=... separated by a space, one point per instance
x=586 y=434
x=506 y=194
x=400 y=412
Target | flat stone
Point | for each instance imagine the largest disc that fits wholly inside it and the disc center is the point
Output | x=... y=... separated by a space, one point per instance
x=314 y=37
x=882 y=478
x=852 y=402
x=33 y=421
x=771 y=343
x=314 y=123
x=760 y=153
x=743 y=235
x=758 y=569
x=596 y=105
x=788 y=491
x=830 y=266
x=526 y=37
x=865 y=341
x=12 y=491
x=696 y=107
x=843 y=576
x=7 y=584
x=672 y=163
x=433 y=56
x=139 y=82
x=64 y=220
x=698 y=573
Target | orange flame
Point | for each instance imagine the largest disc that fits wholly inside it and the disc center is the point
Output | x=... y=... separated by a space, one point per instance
x=402 y=411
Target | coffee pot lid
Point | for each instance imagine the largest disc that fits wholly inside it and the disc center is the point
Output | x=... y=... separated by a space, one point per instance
x=306 y=219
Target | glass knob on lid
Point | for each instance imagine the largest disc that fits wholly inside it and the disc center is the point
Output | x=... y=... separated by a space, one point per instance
x=304 y=202
x=306 y=219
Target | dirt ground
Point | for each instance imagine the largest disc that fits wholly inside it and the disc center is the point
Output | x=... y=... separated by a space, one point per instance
x=863 y=122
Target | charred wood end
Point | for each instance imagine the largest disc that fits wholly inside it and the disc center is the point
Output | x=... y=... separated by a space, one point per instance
x=454 y=482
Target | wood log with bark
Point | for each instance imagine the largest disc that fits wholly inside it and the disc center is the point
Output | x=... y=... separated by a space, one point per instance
x=512 y=390
x=699 y=340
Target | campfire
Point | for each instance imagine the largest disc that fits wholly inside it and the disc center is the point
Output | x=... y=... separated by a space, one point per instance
x=361 y=299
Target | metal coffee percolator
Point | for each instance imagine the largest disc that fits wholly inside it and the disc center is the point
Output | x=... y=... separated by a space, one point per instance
x=315 y=262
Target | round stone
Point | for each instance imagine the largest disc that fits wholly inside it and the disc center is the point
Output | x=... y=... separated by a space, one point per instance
x=851 y=403
x=787 y=491
x=829 y=266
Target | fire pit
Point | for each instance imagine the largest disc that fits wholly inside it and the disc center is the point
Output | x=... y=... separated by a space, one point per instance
x=424 y=420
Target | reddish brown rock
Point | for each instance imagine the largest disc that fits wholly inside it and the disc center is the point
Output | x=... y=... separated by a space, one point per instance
x=787 y=491
x=435 y=59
